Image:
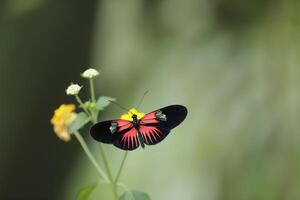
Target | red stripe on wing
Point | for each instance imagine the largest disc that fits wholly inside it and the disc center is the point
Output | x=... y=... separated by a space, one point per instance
x=149 y=118
x=123 y=124
x=153 y=134
x=129 y=140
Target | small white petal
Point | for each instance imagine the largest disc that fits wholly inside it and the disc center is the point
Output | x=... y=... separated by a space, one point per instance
x=73 y=89
x=90 y=73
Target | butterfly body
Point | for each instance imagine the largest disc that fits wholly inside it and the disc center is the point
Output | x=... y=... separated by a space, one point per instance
x=136 y=125
x=136 y=129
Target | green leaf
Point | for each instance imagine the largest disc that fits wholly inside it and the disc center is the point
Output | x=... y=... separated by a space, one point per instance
x=85 y=192
x=81 y=120
x=103 y=102
x=134 y=195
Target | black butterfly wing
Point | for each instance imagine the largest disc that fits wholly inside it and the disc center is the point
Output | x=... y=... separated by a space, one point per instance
x=121 y=133
x=155 y=126
x=102 y=133
x=175 y=114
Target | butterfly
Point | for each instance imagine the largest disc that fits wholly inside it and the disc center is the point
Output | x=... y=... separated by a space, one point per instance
x=135 y=128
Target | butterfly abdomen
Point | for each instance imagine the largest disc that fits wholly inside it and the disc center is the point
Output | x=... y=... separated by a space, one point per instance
x=136 y=125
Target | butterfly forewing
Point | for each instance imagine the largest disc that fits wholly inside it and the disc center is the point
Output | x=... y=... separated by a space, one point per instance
x=155 y=128
x=175 y=114
x=103 y=132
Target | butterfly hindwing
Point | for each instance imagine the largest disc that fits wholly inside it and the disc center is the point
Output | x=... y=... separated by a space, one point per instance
x=153 y=133
x=127 y=140
x=120 y=133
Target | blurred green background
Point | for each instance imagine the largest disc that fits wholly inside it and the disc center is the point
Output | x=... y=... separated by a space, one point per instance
x=233 y=63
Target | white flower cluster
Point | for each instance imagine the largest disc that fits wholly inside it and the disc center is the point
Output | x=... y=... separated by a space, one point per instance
x=73 y=89
x=90 y=73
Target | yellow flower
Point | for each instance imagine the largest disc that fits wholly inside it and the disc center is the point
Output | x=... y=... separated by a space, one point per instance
x=62 y=119
x=132 y=111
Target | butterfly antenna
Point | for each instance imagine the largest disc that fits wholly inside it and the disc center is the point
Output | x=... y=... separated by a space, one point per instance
x=142 y=99
x=127 y=110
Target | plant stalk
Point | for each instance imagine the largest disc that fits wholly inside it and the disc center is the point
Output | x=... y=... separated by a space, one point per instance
x=121 y=168
x=91 y=157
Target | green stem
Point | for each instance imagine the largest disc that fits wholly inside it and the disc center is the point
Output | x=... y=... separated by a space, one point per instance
x=121 y=168
x=94 y=116
x=107 y=168
x=106 y=165
x=92 y=90
x=123 y=186
x=115 y=192
x=115 y=183
x=108 y=171
x=104 y=157
x=82 y=105
x=90 y=156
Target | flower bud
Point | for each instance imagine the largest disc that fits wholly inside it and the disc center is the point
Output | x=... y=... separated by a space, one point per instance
x=73 y=89
x=90 y=73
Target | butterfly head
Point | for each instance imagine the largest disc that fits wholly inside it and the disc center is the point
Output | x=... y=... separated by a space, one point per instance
x=132 y=113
